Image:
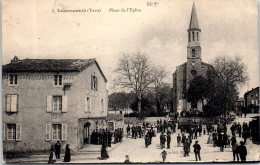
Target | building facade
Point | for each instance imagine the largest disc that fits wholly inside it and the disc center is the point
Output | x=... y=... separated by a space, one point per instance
x=194 y=66
x=45 y=100
x=239 y=106
x=252 y=100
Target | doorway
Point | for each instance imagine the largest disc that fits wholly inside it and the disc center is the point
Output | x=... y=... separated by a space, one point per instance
x=86 y=133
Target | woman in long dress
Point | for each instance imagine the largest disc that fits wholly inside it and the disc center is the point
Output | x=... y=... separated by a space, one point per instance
x=67 y=154
x=210 y=139
x=52 y=155
x=104 y=154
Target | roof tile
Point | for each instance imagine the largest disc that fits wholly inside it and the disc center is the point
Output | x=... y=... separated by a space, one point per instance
x=47 y=65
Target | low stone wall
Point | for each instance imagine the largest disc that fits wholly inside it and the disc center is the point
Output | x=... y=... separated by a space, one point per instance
x=204 y=120
x=136 y=120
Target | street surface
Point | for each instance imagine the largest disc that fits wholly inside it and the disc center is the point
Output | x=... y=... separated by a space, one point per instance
x=137 y=152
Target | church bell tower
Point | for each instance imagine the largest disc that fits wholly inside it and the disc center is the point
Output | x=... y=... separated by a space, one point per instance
x=193 y=48
x=193 y=54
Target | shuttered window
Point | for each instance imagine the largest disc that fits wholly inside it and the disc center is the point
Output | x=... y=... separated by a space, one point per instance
x=56 y=132
x=12 y=132
x=11 y=103
x=57 y=103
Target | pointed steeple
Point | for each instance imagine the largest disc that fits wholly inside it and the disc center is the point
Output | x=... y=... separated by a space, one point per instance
x=193 y=19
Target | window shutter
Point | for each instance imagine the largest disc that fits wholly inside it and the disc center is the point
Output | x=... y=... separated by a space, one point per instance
x=48 y=132
x=18 y=132
x=8 y=103
x=3 y=132
x=64 y=103
x=64 y=132
x=49 y=103
x=14 y=103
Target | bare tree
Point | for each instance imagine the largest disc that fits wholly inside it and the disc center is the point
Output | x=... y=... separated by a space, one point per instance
x=159 y=74
x=231 y=70
x=135 y=73
x=159 y=86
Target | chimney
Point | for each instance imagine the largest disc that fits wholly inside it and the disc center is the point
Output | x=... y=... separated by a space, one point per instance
x=15 y=60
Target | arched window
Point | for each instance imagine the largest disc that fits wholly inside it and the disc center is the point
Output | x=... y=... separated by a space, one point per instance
x=193 y=39
x=193 y=53
x=189 y=36
x=197 y=36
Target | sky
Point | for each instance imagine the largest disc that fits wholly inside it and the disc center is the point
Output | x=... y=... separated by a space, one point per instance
x=30 y=29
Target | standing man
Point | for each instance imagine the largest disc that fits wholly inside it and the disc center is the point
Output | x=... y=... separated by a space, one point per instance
x=200 y=129
x=128 y=130
x=244 y=135
x=133 y=131
x=183 y=139
x=57 y=149
x=168 y=140
x=162 y=140
x=242 y=151
x=146 y=140
x=221 y=142
x=235 y=151
x=196 y=132
x=186 y=148
x=239 y=129
x=197 y=150
x=178 y=140
x=109 y=138
x=214 y=138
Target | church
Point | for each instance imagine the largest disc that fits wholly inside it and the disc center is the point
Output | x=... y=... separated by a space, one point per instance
x=193 y=67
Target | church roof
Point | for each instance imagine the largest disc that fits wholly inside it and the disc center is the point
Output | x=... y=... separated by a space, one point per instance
x=193 y=19
x=202 y=63
x=206 y=64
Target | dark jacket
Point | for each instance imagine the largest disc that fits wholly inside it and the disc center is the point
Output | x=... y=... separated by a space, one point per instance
x=162 y=139
x=67 y=156
x=168 y=138
x=242 y=150
x=178 y=138
x=196 y=147
x=57 y=148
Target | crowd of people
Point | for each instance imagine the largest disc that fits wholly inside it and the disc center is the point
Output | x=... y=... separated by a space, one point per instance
x=187 y=131
x=166 y=126
x=100 y=137
x=217 y=136
x=104 y=138
x=244 y=130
